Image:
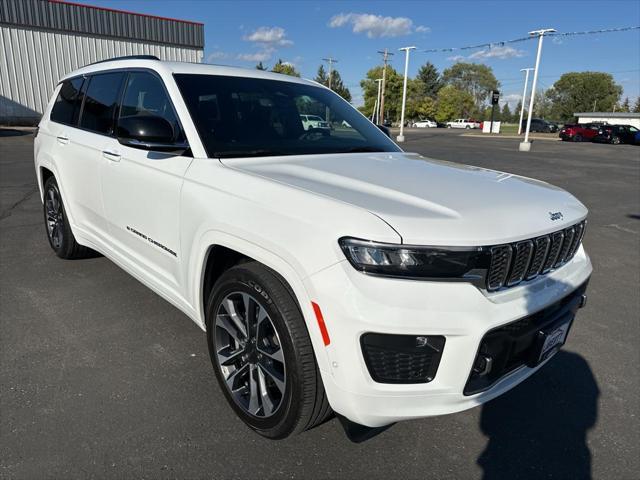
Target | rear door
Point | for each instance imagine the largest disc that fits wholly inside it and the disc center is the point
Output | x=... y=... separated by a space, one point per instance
x=141 y=188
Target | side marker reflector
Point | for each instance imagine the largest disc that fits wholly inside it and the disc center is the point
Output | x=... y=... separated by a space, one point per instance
x=321 y=325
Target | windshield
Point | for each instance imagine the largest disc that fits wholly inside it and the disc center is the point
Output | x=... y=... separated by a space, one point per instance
x=250 y=117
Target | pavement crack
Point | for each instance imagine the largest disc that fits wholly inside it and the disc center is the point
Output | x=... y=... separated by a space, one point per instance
x=7 y=213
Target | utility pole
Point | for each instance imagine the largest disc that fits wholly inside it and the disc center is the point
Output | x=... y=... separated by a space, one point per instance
x=376 y=108
x=525 y=146
x=330 y=61
x=524 y=96
x=400 y=137
x=385 y=59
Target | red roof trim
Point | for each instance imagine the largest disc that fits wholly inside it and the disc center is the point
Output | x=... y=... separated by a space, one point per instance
x=124 y=11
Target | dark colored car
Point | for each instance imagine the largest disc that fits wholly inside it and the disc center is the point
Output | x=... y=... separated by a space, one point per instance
x=636 y=138
x=579 y=132
x=616 y=134
x=540 y=125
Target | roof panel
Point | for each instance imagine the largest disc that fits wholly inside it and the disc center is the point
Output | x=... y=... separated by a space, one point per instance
x=98 y=21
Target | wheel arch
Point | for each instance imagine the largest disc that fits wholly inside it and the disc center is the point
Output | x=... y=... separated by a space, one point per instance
x=219 y=251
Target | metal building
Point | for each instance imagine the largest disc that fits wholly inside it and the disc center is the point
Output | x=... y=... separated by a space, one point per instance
x=42 y=40
x=613 y=118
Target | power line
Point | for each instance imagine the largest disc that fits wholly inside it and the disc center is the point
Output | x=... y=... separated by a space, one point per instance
x=525 y=39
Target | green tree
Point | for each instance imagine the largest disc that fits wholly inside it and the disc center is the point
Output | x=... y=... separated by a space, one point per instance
x=636 y=106
x=337 y=85
x=543 y=106
x=582 y=92
x=474 y=78
x=453 y=103
x=625 y=106
x=505 y=114
x=516 y=112
x=393 y=95
x=260 y=66
x=285 y=68
x=429 y=79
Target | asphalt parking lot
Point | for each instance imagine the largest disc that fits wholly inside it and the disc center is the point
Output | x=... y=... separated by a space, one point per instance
x=102 y=378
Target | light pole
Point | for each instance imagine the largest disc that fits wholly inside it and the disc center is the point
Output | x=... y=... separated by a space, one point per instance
x=400 y=137
x=376 y=108
x=524 y=97
x=525 y=146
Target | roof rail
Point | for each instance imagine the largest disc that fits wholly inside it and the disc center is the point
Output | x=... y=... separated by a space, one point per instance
x=128 y=57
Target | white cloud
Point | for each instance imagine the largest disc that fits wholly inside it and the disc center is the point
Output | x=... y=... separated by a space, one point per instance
x=423 y=29
x=456 y=58
x=375 y=26
x=218 y=55
x=262 y=56
x=269 y=36
x=512 y=99
x=499 y=52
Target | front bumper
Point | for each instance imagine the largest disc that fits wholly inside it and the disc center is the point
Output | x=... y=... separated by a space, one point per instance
x=354 y=304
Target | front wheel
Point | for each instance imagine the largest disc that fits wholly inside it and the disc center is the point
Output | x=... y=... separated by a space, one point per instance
x=577 y=138
x=262 y=354
x=615 y=140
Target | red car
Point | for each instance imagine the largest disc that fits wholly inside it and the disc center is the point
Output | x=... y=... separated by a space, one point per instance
x=579 y=132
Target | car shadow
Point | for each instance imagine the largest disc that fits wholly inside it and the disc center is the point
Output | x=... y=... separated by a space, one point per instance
x=539 y=429
x=11 y=132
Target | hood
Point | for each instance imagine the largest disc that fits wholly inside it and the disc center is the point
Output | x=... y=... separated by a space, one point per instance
x=428 y=202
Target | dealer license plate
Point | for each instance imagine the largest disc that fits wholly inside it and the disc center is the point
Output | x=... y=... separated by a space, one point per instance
x=553 y=341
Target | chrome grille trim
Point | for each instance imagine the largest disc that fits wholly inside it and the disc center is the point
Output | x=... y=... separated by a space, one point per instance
x=541 y=250
x=525 y=260
x=500 y=260
x=520 y=263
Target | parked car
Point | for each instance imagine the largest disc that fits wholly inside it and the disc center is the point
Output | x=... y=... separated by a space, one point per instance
x=636 y=138
x=463 y=123
x=330 y=273
x=540 y=125
x=616 y=134
x=427 y=123
x=578 y=132
x=313 y=121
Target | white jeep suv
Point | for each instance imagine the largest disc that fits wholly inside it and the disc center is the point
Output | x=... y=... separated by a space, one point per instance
x=331 y=272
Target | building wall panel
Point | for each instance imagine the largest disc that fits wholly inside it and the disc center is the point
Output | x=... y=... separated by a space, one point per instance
x=32 y=62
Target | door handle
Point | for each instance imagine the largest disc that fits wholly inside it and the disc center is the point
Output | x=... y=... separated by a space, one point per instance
x=112 y=156
x=62 y=140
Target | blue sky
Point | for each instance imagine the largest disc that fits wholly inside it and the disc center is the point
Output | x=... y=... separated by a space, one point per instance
x=304 y=32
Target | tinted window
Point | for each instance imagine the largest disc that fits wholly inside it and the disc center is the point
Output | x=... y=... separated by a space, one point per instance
x=145 y=95
x=100 y=102
x=260 y=117
x=67 y=106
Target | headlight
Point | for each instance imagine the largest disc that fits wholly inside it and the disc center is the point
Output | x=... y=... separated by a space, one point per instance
x=465 y=263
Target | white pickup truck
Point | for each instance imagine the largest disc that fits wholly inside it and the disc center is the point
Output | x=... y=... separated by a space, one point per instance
x=463 y=123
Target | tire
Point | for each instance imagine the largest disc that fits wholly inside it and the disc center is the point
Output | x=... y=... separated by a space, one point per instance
x=57 y=226
x=577 y=138
x=467 y=127
x=615 y=140
x=448 y=126
x=289 y=395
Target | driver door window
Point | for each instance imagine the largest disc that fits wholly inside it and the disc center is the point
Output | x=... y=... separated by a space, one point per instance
x=145 y=95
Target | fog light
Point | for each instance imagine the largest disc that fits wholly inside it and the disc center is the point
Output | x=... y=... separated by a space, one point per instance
x=483 y=365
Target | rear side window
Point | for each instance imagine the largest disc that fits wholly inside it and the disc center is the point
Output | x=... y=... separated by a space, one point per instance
x=145 y=95
x=67 y=106
x=101 y=100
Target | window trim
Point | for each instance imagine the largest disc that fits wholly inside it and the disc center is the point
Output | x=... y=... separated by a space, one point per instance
x=127 y=70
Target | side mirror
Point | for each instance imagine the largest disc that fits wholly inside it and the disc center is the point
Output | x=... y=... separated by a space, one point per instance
x=385 y=130
x=149 y=132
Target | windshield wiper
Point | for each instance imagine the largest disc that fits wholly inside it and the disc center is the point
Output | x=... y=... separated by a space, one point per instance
x=248 y=153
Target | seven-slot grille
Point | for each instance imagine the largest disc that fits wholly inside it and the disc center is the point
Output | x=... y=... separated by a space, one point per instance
x=525 y=260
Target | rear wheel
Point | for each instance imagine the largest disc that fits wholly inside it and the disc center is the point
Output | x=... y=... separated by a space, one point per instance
x=56 y=222
x=262 y=354
x=615 y=140
x=577 y=138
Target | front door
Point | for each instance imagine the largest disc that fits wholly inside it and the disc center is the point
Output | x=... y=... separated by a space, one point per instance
x=141 y=188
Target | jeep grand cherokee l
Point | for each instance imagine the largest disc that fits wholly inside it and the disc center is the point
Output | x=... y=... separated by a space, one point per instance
x=331 y=271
